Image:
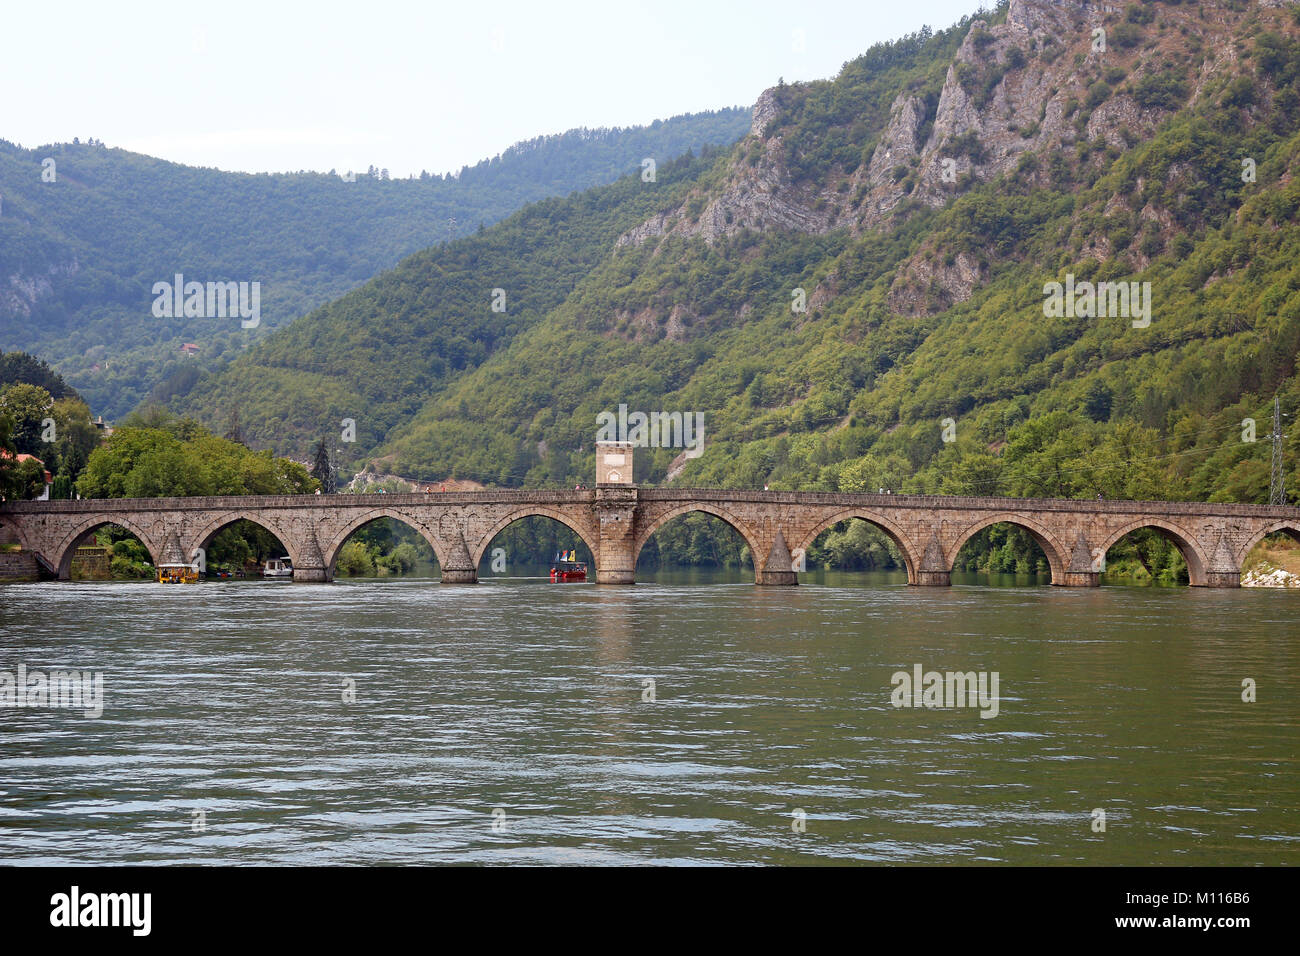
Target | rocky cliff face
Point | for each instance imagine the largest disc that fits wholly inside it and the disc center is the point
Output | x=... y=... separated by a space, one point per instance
x=758 y=196
x=24 y=289
x=1053 y=74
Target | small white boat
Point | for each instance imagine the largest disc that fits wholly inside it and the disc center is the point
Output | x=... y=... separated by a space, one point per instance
x=278 y=568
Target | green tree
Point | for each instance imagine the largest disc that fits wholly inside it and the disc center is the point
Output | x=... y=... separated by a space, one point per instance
x=323 y=470
x=355 y=560
x=26 y=480
x=1097 y=402
x=29 y=406
x=142 y=462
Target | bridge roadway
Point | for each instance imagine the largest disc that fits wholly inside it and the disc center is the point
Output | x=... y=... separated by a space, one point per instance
x=615 y=522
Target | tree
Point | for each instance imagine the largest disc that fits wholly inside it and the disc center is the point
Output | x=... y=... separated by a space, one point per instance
x=29 y=406
x=16 y=367
x=75 y=437
x=1097 y=402
x=27 y=480
x=322 y=470
x=976 y=472
x=234 y=432
x=355 y=561
x=140 y=462
x=63 y=484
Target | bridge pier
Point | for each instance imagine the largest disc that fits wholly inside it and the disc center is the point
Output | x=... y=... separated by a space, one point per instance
x=779 y=569
x=1084 y=568
x=935 y=570
x=309 y=565
x=933 y=579
x=616 y=511
x=460 y=567
x=1222 y=579
x=1225 y=569
x=1080 y=579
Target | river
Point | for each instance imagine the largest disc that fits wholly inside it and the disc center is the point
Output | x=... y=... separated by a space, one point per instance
x=516 y=722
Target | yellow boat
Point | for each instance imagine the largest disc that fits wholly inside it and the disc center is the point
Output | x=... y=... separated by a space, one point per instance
x=177 y=574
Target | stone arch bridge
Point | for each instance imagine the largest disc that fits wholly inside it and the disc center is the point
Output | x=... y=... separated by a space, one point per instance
x=615 y=522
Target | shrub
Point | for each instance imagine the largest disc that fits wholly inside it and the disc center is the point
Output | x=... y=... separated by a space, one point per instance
x=1163 y=91
x=355 y=561
x=1240 y=92
x=1139 y=13
x=967 y=144
x=1097 y=94
x=1124 y=35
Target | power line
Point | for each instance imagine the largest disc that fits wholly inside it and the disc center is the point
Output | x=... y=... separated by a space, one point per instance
x=1119 y=464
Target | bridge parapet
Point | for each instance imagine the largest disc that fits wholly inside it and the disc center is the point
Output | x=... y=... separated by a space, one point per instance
x=973 y=503
x=310 y=502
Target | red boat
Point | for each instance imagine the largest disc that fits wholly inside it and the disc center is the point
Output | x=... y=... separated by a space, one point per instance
x=563 y=570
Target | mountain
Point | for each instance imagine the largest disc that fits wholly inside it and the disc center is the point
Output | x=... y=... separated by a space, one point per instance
x=87 y=231
x=891 y=282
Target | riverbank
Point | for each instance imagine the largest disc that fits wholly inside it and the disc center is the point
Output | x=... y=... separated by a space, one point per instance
x=1272 y=564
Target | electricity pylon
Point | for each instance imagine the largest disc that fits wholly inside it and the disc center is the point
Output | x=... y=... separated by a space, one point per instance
x=1277 y=478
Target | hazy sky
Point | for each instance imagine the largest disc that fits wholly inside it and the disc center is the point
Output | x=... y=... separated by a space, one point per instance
x=271 y=86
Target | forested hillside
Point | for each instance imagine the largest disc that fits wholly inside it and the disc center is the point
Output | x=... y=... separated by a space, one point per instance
x=377 y=354
x=86 y=231
x=918 y=207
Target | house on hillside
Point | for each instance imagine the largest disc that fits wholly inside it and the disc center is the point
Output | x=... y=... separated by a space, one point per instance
x=189 y=348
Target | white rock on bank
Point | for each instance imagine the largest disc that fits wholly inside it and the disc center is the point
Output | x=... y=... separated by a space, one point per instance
x=1265 y=577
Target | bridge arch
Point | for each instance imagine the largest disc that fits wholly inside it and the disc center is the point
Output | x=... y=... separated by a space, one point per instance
x=1185 y=541
x=331 y=552
x=757 y=554
x=218 y=524
x=1291 y=528
x=67 y=548
x=479 y=548
x=891 y=530
x=1058 y=556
